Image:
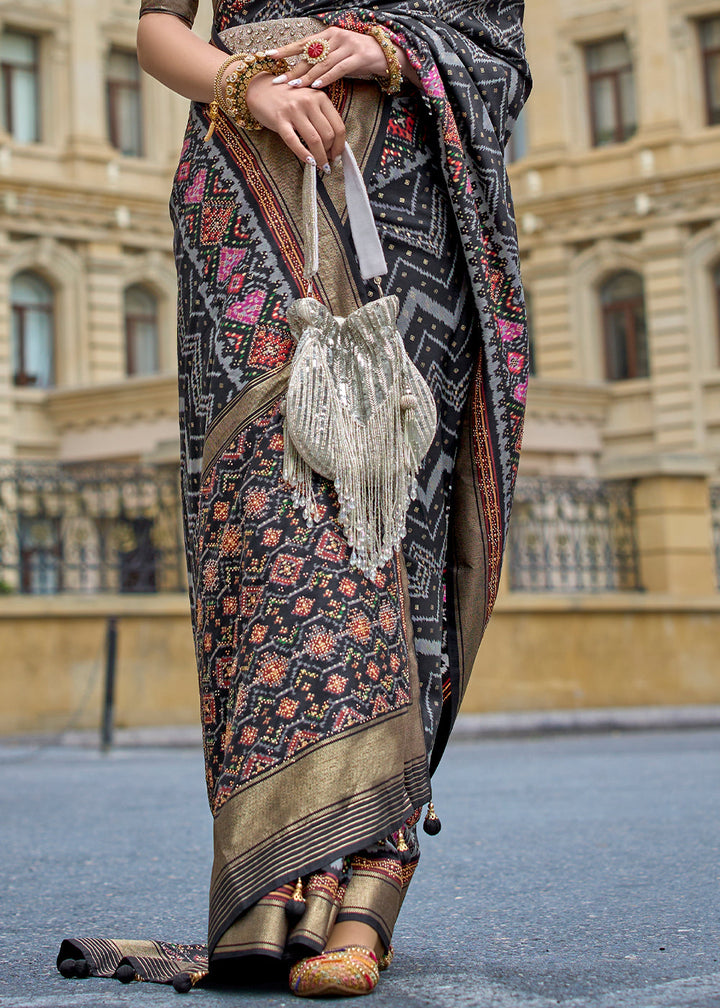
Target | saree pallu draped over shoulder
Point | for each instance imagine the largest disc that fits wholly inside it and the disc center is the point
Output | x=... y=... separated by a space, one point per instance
x=328 y=697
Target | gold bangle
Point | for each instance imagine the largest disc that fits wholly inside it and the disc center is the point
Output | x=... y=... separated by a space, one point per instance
x=216 y=104
x=394 y=80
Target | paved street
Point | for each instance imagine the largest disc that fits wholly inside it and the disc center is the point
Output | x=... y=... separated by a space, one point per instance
x=575 y=870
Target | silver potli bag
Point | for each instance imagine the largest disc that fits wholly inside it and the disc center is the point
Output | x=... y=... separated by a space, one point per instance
x=358 y=411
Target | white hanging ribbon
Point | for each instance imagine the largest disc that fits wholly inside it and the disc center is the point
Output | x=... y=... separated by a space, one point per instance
x=362 y=223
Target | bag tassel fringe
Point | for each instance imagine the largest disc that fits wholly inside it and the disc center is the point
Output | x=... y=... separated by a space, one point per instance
x=299 y=476
x=374 y=478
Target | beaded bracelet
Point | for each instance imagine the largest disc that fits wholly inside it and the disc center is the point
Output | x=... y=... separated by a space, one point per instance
x=231 y=99
x=393 y=82
x=237 y=83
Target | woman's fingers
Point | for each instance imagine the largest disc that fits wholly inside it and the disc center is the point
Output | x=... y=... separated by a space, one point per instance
x=337 y=125
x=302 y=66
x=327 y=77
x=306 y=120
x=304 y=73
x=295 y=48
x=311 y=132
x=350 y=54
x=330 y=126
x=288 y=135
x=304 y=140
x=325 y=74
x=321 y=119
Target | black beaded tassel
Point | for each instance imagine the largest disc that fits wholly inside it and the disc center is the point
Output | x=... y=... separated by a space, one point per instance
x=432 y=824
x=295 y=906
x=184 y=982
x=75 y=969
x=125 y=973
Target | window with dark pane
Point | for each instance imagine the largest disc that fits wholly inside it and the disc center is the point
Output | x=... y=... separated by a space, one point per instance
x=141 y=331
x=138 y=562
x=517 y=145
x=32 y=309
x=124 y=103
x=40 y=555
x=611 y=91
x=20 y=85
x=622 y=299
x=710 y=46
x=716 y=292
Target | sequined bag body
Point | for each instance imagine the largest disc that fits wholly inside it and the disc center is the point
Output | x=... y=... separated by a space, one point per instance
x=357 y=412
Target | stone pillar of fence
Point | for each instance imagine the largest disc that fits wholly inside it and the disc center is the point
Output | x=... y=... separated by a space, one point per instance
x=673 y=522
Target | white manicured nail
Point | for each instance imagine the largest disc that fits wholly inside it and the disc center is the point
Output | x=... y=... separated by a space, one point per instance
x=310 y=160
x=295 y=83
x=271 y=52
x=337 y=161
x=317 y=83
x=280 y=80
x=327 y=169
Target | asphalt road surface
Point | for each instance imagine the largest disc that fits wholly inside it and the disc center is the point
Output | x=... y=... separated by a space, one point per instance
x=576 y=871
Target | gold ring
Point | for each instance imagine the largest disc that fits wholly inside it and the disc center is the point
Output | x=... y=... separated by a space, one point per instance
x=316 y=50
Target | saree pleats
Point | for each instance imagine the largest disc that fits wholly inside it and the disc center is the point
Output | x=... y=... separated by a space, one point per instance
x=368 y=887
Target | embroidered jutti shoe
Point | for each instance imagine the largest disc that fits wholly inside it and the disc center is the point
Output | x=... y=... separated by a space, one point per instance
x=348 y=971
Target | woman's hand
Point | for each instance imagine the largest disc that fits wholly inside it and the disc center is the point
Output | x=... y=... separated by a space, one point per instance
x=351 y=54
x=307 y=121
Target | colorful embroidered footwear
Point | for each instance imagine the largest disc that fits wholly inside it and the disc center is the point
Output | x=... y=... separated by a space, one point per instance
x=345 y=971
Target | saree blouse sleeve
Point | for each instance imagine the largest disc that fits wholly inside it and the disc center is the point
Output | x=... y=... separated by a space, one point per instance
x=185 y=9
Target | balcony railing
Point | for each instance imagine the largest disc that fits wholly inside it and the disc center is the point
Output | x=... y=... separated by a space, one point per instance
x=117 y=528
x=80 y=528
x=573 y=535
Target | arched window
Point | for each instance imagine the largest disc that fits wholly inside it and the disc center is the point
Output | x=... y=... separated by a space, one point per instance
x=622 y=300
x=141 y=331
x=32 y=303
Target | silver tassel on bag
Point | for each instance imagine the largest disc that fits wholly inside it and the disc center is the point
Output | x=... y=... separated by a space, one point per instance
x=358 y=411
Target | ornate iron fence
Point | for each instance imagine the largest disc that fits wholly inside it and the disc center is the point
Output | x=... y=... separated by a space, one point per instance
x=573 y=535
x=116 y=528
x=715 y=512
x=89 y=528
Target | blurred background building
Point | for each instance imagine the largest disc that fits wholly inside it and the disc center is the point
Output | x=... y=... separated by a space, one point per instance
x=610 y=591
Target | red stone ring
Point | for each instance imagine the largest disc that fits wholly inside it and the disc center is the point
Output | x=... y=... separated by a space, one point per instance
x=316 y=51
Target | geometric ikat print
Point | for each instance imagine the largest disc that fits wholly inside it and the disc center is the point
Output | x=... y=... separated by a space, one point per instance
x=441 y=199
x=295 y=644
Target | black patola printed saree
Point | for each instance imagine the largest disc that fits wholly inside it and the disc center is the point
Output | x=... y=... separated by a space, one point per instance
x=328 y=697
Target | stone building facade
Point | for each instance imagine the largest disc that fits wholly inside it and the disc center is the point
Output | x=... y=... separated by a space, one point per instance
x=647 y=205
x=616 y=172
x=87 y=149
x=618 y=194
